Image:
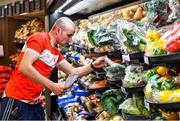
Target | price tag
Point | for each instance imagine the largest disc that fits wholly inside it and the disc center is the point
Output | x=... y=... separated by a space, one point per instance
x=146 y=59
x=126 y=57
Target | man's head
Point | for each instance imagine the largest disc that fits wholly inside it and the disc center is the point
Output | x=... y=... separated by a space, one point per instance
x=63 y=30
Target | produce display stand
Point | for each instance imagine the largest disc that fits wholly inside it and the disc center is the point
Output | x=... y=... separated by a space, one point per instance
x=131 y=58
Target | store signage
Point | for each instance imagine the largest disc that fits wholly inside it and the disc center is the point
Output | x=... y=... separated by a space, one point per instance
x=26 y=6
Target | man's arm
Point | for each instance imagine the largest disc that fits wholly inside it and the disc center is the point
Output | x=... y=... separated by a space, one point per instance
x=29 y=71
x=66 y=67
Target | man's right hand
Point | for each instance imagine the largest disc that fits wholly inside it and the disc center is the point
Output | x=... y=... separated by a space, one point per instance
x=58 y=88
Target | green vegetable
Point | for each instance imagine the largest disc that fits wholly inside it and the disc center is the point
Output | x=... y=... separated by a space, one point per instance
x=154 y=78
x=156 y=85
x=167 y=85
x=90 y=35
x=140 y=105
x=134 y=40
x=110 y=100
x=134 y=106
x=158 y=51
x=148 y=74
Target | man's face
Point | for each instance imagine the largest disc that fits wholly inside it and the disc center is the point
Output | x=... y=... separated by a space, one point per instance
x=64 y=36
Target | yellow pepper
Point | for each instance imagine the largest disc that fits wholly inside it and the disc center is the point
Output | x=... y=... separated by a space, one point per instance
x=153 y=35
x=156 y=44
x=175 y=96
x=164 y=78
x=163 y=71
x=164 y=96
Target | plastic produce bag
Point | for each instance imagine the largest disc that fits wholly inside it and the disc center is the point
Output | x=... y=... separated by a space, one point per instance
x=175 y=7
x=114 y=71
x=128 y=107
x=157 y=11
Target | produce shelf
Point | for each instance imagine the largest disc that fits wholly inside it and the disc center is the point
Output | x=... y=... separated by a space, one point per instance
x=133 y=56
x=170 y=58
x=165 y=106
x=134 y=89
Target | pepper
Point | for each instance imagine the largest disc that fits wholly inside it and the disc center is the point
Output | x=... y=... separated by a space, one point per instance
x=150 y=73
x=156 y=85
x=153 y=35
x=163 y=71
x=167 y=85
x=173 y=45
x=173 y=41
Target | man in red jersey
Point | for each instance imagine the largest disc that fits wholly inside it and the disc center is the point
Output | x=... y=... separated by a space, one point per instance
x=36 y=60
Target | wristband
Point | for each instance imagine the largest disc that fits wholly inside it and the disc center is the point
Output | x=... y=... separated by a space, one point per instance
x=92 y=66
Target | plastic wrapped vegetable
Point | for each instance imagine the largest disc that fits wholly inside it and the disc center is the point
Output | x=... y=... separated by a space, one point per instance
x=115 y=71
x=134 y=106
x=134 y=76
x=110 y=100
x=172 y=37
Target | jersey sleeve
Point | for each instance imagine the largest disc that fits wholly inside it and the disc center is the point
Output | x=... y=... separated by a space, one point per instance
x=35 y=44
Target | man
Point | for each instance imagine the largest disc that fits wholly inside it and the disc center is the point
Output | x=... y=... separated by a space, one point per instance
x=38 y=57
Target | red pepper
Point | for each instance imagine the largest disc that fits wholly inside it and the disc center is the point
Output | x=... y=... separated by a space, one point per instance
x=173 y=42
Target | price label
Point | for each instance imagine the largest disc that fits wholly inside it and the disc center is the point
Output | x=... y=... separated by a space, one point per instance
x=126 y=57
x=146 y=59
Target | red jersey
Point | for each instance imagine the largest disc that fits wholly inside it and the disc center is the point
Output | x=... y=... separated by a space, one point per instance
x=22 y=88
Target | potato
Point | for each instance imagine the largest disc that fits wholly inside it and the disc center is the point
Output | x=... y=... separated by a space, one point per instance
x=131 y=14
x=144 y=13
x=133 y=8
x=138 y=15
x=126 y=16
x=144 y=19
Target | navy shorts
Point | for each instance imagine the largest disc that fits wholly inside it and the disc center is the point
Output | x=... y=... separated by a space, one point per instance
x=12 y=109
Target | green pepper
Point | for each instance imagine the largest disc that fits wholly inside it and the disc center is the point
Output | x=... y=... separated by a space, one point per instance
x=156 y=85
x=154 y=78
x=150 y=73
x=167 y=85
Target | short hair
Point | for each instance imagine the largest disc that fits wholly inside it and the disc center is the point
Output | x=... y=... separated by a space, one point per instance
x=63 y=23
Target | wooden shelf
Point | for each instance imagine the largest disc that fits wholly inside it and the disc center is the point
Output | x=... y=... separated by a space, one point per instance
x=30 y=14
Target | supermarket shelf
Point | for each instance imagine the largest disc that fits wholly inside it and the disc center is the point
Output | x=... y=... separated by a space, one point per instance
x=171 y=58
x=133 y=56
x=165 y=106
x=134 y=89
x=30 y=15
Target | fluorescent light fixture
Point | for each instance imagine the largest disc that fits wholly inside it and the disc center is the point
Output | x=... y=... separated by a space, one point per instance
x=80 y=6
x=60 y=8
